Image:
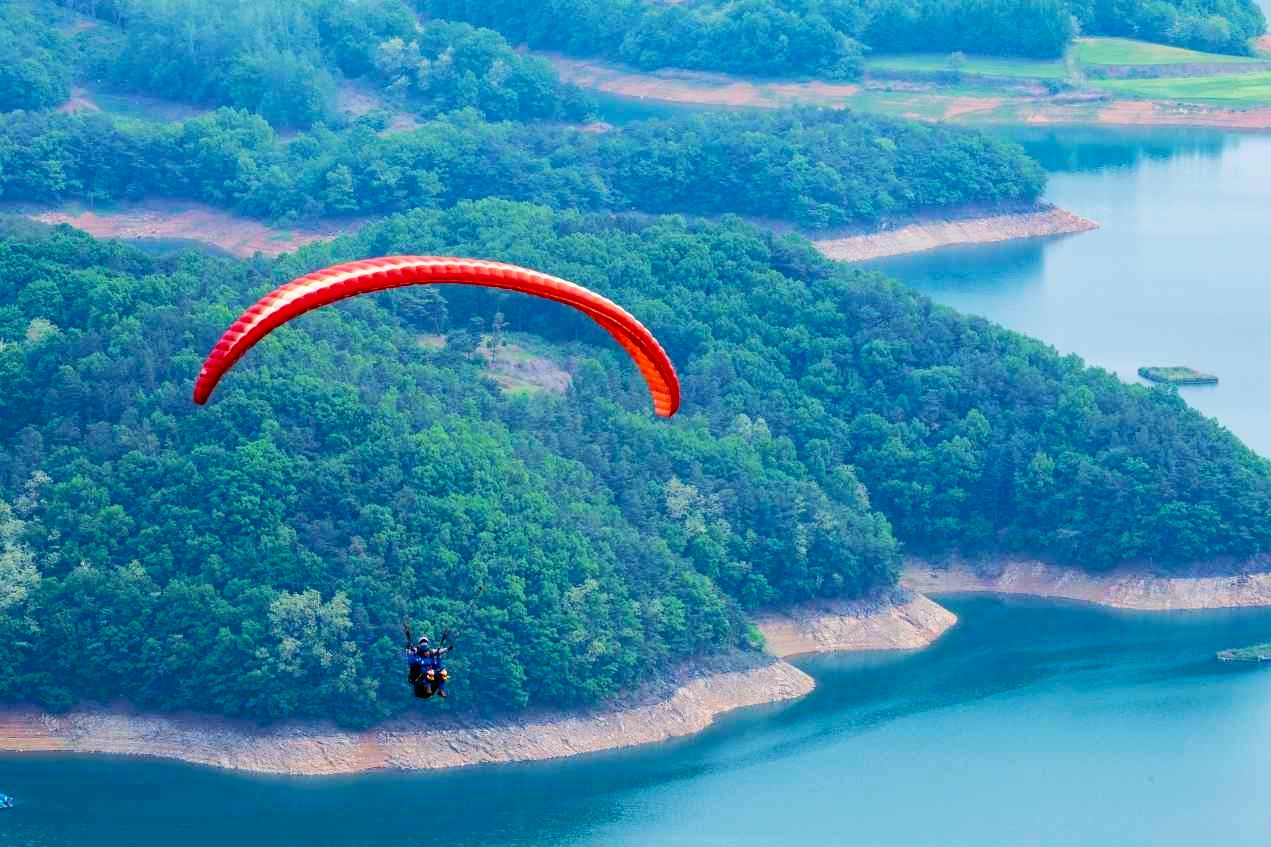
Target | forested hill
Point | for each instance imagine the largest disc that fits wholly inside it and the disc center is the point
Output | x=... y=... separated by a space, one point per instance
x=815 y=167
x=347 y=476
x=287 y=60
x=829 y=38
x=292 y=60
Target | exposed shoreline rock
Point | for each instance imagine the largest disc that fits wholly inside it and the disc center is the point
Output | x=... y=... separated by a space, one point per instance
x=908 y=621
x=1123 y=588
x=686 y=704
x=699 y=696
x=1016 y=102
x=931 y=234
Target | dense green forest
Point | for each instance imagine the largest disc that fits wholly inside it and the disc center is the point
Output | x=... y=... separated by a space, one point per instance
x=1222 y=26
x=286 y=60
x=828 y=38
x=33 y=70
x=351 y=479
x=347 y=477
x=818 y=168
x=290 y=61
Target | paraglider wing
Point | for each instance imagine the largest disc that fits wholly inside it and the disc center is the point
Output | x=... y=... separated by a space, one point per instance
x=321 y=288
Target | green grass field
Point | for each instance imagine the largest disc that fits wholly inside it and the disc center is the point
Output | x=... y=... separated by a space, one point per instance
x=984 y=65
x=1228 y=90
x=1127 y=51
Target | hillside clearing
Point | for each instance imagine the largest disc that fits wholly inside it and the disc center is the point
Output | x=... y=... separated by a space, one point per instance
x=1129 y=51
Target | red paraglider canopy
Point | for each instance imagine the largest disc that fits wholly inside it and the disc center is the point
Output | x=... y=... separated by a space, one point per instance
x=321 y=288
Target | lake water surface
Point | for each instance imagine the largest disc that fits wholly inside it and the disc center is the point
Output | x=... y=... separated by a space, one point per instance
x=1178 y=274
x=1030 y=723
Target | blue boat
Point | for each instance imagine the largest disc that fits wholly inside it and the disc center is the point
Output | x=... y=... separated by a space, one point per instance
x=6 y=802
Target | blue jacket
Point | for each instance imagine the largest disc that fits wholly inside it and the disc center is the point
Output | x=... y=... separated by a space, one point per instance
x=423 y=662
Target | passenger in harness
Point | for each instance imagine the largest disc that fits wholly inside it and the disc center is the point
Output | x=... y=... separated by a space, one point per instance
x=426 y=672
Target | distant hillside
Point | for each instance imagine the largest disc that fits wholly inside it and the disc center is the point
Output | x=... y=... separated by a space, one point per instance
x=829 y=38
x=815 y=167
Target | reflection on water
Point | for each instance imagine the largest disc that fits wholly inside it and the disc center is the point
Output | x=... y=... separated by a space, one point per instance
x=1024 y=713
x=1070 y=149
x=971 y=271
x=1177 y=273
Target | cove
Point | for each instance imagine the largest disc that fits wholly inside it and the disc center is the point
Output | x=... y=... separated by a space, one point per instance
x=1177 y=273
x=1031 y=722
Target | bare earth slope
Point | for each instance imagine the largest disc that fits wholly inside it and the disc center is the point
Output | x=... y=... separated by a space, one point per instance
x=928 y=235
x=907 y=622
x=162 y=219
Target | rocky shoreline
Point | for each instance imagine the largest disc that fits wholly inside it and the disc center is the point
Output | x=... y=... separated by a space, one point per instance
x=690 y=702
x=929 y=235
x=907 y=621
x=314 y=749
x=1122 y=588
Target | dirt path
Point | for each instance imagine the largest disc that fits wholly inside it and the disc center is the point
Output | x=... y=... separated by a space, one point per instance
x=962 y=106
x=193 y=222
x=697 y=87
x=915 y=100
x=1161 y=113
x=79 y=101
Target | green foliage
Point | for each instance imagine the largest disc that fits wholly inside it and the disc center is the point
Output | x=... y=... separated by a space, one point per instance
x=33 y=73
x=346 y=477
x=746 y=36
x=254 y=557
x=1219 y=26
x=454 y=65
x=1038 y=29
x=967 y=437
x=1177 y=375
x=828 y=38
x=818 y=168
x=773 y=37
x=283 y=59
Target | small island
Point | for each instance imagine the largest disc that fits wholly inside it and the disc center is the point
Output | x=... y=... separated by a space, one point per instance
x=1177 y=375
x=1256 y=653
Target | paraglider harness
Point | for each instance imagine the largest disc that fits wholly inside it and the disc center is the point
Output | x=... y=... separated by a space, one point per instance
x=427 y=674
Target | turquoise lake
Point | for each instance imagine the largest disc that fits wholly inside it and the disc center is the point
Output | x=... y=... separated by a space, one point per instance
x=1179 y=272
x=1030 y=723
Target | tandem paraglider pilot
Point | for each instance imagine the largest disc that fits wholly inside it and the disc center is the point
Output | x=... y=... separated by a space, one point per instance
x=426 y=672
